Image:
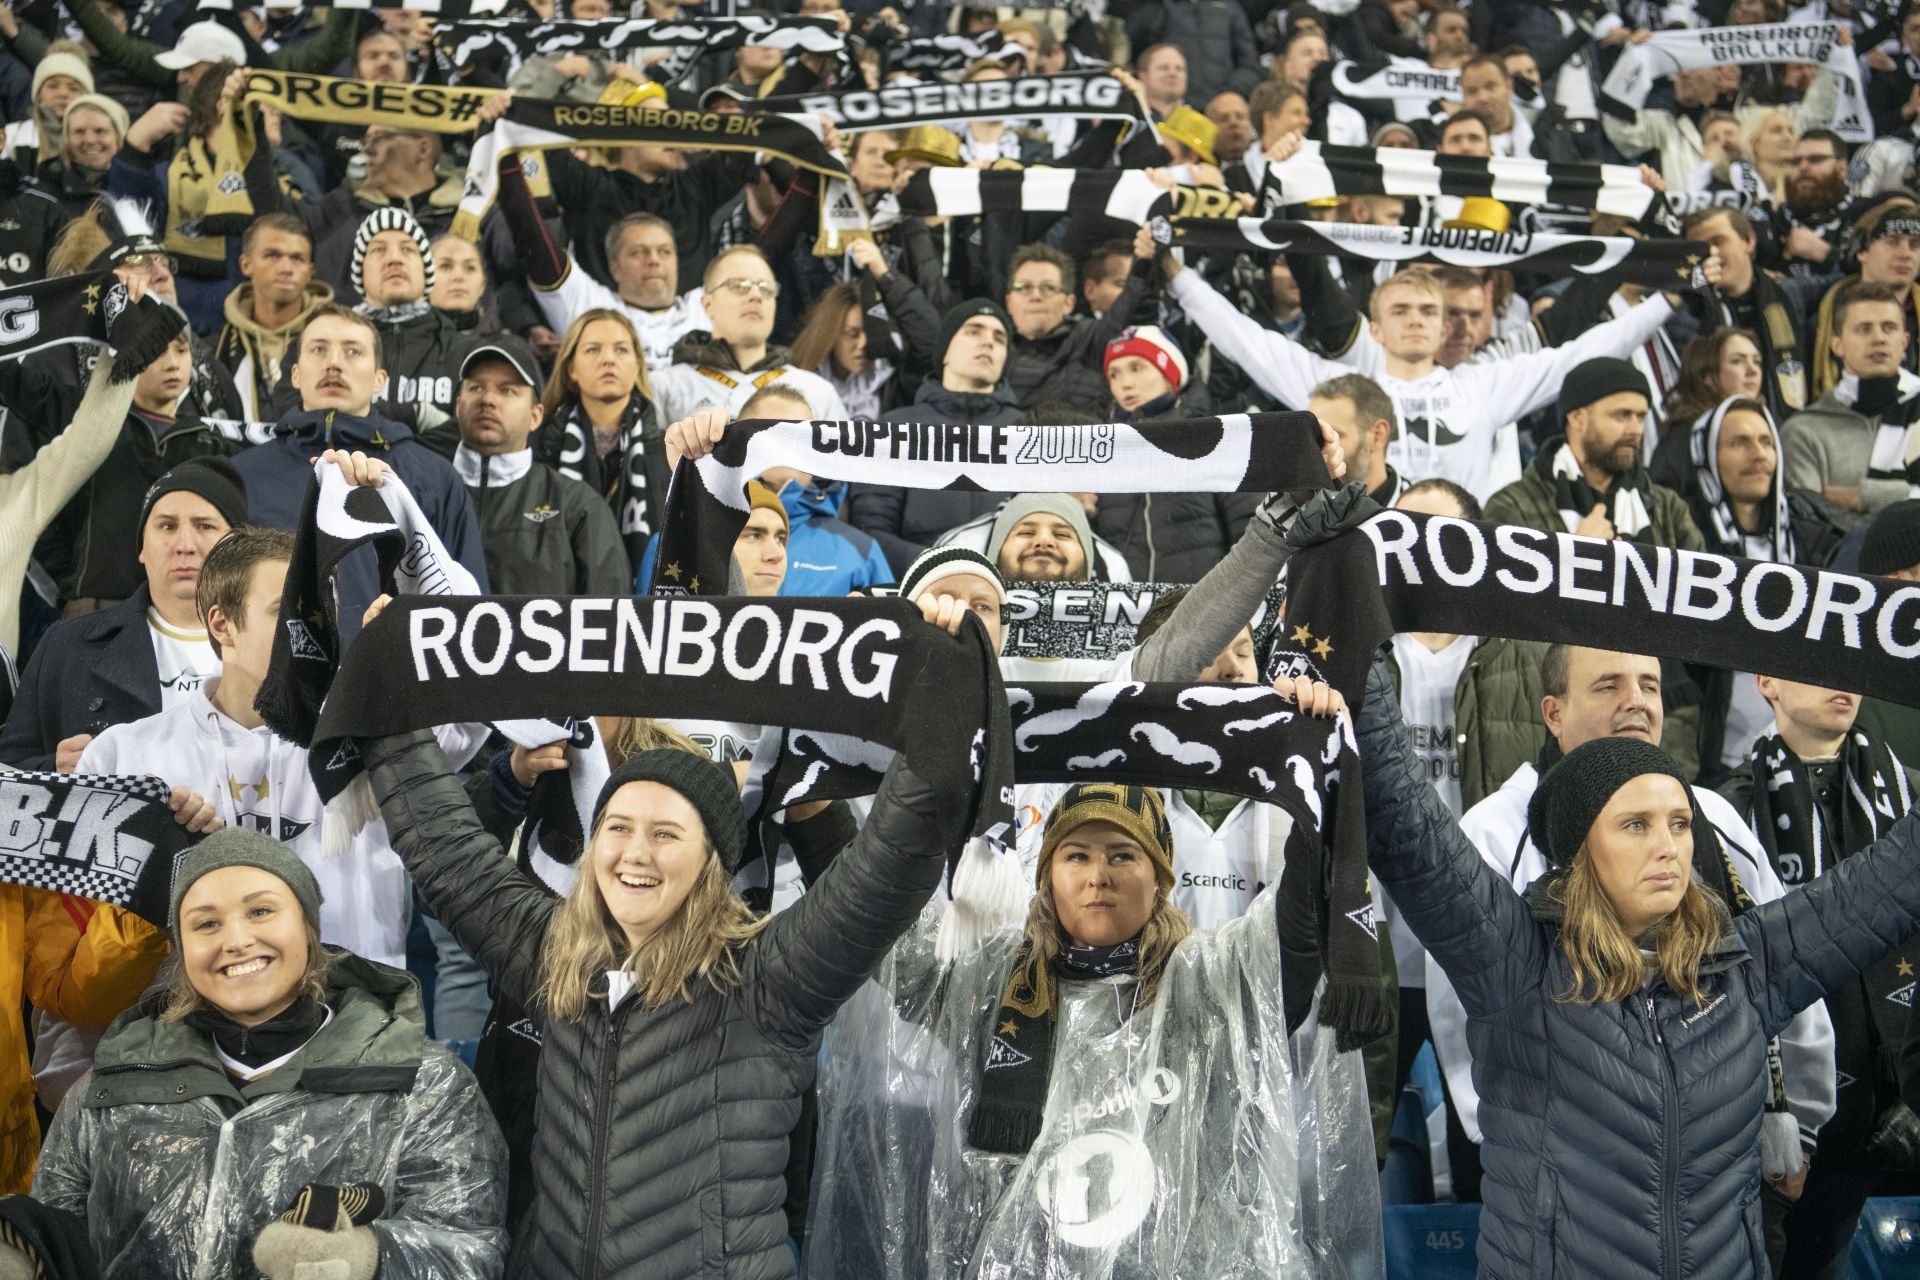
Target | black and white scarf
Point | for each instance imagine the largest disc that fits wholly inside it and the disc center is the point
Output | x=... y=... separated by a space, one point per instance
x=1362 y=574
x=1626 y=87
x=110 y=839
x=1893 y=402
x=805 y=664
x=531 y=124
x=623 y=476
x=1320 y=170
x=1723 y=527
x=1787 y=818
x=337 y=518
x=460 y=43
x=707 y=505
x=950 y=52
x=1082 y=94
x=1093 y=619
x=1413 y=87
x=1126 y=194
x=1575 y=499
x=89 y=308
x=1664 y=264
x=1245 y=740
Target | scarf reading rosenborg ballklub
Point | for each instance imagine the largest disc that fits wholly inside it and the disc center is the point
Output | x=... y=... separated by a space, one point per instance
x=1361 y=574
x=707 y=504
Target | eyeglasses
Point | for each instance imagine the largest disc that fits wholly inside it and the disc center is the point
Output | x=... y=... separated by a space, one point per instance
x=743 y=287
x=1024 y=287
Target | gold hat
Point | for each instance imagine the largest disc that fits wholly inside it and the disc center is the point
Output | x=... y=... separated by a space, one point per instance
x=623 y=93
x=1481 y=213
x=1192 y=130
x=928 y=142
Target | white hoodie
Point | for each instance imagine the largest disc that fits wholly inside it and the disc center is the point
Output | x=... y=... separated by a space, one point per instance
x=258 y=780
x=1498 y=828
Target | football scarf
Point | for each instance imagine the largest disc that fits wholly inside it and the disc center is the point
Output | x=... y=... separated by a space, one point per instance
x=90 y=308
x=707 y=503
x=1662 y=264
x=1126 y=194
x=1082 y=94
x=812 y=664
x=336 y=519
x=950 y=52
x=1434 y=573
x=1413 y=88
x=1895 y=403
x=1319 y=171
x=459 y=44
x=1093 y=619
x=427 y=108
x=1574 y=498
x=112 y=840
x=1720 y=524
x=1626 y=87
x=532 y=124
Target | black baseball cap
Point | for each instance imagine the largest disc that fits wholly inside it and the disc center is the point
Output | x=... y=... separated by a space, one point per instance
x=505 y=346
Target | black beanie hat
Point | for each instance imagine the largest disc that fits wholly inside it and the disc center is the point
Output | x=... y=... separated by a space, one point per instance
x=961 y=312
x=707 y=786
x=1596 y=379
x=211 y=478
x=1575 y=790
x=1892 y=540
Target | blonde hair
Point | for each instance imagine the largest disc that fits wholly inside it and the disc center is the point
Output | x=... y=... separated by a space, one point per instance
x=182 y=999
x=701 y=941
x=1031 y=989
x=624 y=736
x=1607 y=964
x=1421 y=282
x=561 y=387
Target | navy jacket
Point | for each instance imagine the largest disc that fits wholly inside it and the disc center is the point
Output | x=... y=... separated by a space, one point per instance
x=85 y=674
x=278 y=472
x=1623 y=1139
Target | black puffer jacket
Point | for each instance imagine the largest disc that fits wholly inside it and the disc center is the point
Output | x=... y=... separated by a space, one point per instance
x=1172 y=537
x=1623 y=1139
x=662 y=1136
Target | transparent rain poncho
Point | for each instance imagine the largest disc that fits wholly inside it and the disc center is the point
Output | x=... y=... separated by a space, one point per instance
x=1179 y=1143
x=181 y=1189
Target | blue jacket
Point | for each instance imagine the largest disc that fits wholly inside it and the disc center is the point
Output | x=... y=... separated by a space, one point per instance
x=277 y=474
x=825 y=555
x=1622 y=1140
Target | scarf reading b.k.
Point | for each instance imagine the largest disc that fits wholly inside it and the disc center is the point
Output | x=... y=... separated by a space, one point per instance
x=812 y=664
x=1663 y=264
x=1626 y=87
x=1320 y=170
x=1238 y=453
x=458 y=44
x=531 y=124
x=337 y=518
x=1361 y=574
x=110 y=839
x=1244 y=740
x=1894 y=403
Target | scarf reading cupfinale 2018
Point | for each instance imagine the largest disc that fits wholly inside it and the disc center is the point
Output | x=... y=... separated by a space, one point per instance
x=533 y=124
x=1235 y=453
x=1394 y=571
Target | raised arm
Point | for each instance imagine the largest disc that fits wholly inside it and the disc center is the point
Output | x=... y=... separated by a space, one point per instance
x=816 y=953
x=1283 y=368
x=1467 y=917
x=1214 y=609
x=499 y=915
x=1511 y=389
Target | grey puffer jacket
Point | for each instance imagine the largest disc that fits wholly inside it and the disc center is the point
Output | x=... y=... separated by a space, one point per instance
x=1622 y=1140
x=177 y=1166
x=661 y=1144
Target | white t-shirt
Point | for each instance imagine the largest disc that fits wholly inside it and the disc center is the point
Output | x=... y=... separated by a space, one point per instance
x=1428 y=679
x=183 y=658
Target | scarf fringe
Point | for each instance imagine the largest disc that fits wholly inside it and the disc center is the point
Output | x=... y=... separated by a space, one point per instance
x=346 y=816
x=144 y=342
x=989 y=894
x=1780 y=1144
x=1008 y=1130
x=1356 y=1012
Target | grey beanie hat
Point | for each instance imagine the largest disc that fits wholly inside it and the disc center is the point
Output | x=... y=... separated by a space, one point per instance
x=238 y=847
x=1019 y=507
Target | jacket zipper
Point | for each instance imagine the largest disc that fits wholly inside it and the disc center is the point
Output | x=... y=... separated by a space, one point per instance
x=1670 y=1173
x=602 y=1103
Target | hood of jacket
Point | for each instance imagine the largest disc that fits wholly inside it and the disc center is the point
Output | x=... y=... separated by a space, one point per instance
x=804 y=502
x=373 y=1044
x=239 y=311
x=963 y=406
x=702 y=348
x=334 y=428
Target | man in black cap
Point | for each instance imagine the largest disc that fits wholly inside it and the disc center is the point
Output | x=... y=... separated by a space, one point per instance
x=1590 y=481
x=144 y=654
x=970 y=387
x=542 y=532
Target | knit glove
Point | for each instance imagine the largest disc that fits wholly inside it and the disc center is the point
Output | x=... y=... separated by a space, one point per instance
x=324 y=1236
x=1326 y=515
x=139 y=333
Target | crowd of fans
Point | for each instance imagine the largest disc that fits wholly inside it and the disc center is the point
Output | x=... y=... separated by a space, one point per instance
x=262 y=1087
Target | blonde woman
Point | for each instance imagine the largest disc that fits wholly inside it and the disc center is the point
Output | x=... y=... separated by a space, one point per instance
x=1618 y=1017
x=600 y=425
x=266 y=1070
x=679 y=1031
